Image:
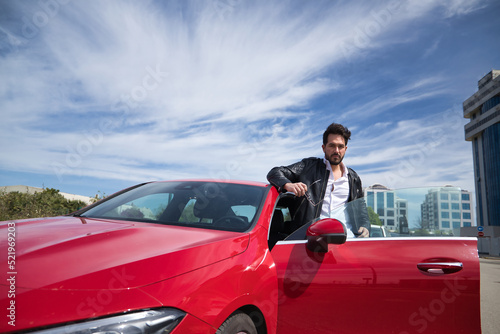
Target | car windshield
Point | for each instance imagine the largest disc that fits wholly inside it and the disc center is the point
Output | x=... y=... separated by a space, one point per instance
x=211 y=205
x=431 y=211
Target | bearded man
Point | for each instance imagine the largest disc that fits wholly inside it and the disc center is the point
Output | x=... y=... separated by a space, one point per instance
x=323 y=184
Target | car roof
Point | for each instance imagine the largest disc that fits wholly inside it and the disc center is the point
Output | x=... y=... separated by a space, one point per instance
x=244 y=182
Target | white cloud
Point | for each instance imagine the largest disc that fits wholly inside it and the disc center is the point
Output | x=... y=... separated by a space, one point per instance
x=190 y=88
x=412 y=91
x=431 y=49
x=449 y=8
x=429 y=151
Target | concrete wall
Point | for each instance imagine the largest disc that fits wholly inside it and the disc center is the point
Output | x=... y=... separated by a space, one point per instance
x=487 y=244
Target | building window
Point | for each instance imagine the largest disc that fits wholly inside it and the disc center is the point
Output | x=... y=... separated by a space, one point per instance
x=465 y=197
x=479 y=196
x=455 y=215
x=444 y=196
x=390 y=213
x=454 y=197
x=445 y=224
x=466 y=215
x=490 y=104
x=369 y=199
x=380 y=200
x=390 y=200
x=390 y=222
x=491 y=177
x=467 y=224
x=381 y=211
x=445 y=214
x=445 y=206
x=402 y=212
x=455 y=206
x=465 y=206
x=456 y=224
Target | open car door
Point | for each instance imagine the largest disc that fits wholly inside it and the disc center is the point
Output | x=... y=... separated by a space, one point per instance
x=420 y=279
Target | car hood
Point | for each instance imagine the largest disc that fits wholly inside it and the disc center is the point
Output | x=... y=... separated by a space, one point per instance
x=73 y=253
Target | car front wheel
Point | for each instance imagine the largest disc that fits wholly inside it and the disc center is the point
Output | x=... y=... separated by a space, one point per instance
x=238 y=323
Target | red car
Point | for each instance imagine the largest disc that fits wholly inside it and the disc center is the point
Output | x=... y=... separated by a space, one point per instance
x=221 y=257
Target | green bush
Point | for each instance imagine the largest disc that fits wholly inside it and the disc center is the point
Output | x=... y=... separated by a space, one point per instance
x=47 y=203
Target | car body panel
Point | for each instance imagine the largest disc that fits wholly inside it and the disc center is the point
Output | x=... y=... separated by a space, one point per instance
x=365 y=282
x=226 y=286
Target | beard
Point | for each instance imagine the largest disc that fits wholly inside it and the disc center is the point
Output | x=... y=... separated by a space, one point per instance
x=335 y=159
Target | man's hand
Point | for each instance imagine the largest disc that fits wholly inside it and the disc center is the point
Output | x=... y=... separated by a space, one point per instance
x=299 y=188
x=364 y=232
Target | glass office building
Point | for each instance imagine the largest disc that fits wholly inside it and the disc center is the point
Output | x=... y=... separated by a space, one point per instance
x=447 y=209
x=391 y=210
x=483 y=130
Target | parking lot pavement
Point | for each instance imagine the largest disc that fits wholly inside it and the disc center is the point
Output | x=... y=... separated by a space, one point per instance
x=490 y=294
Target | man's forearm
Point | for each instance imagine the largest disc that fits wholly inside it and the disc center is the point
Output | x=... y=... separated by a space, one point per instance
x=277 y=177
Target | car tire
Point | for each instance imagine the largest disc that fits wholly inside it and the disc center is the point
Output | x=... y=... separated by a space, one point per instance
x=238 y=323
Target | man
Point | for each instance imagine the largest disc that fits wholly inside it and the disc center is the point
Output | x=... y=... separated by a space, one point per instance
x=324 y=183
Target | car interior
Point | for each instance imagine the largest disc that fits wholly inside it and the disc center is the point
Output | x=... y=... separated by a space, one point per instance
x=282 y=224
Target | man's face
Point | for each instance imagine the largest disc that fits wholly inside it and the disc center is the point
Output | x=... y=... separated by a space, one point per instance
x=334 y=149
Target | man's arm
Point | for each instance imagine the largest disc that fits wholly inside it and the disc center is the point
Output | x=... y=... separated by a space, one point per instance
x=286 y=178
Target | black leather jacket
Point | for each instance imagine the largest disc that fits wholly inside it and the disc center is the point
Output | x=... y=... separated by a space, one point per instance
x=313 y=173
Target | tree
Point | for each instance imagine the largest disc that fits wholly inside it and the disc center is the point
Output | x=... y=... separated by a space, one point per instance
x=98 y=197
x=374 y=217
x=419 y=228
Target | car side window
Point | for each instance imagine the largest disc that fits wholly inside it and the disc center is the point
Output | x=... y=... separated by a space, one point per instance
x=247 y=211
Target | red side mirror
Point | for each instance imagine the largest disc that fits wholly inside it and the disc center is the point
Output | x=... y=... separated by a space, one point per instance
x=324 y=232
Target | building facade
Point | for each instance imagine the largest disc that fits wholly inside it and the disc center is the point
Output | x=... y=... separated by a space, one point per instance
x=392 y=211
x=447 y=209
x=483 y=131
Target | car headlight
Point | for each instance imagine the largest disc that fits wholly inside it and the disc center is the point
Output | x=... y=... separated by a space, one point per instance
x=144 y=322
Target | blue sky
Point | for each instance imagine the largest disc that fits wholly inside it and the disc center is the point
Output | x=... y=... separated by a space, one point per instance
x=101 y=95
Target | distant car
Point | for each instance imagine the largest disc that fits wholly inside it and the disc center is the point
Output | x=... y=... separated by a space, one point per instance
x=222 y=257
x=377 y=231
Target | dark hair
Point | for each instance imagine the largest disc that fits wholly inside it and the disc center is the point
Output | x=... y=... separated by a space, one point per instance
x=336 y=129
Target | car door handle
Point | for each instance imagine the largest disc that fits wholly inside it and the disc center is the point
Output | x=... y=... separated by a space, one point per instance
x=440 y=267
